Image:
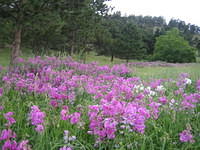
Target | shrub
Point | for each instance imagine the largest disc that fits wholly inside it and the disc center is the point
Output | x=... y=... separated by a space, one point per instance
x=173 y=48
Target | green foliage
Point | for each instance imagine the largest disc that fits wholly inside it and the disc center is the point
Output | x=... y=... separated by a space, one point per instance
x=5 y=32
x=80 y=26
x=131 y=42
x=173 y=48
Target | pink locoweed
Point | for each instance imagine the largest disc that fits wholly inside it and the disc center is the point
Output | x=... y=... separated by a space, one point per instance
x=37 y=118
x=9 y=117
x=6 y=134
x=186 y=136
x=1 y=92
x=75 y=118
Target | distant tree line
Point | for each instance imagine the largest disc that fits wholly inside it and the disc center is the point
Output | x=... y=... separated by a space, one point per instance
x=80 y=26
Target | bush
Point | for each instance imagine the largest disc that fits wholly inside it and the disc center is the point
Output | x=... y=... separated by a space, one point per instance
x=173 y=48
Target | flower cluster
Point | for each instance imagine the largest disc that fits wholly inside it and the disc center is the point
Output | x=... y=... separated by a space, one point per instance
x=74 y=117
x=9 y=117
x=1 y=92
x=184 y=80
x=118 y=103
x=37 y=118
x=68 y=141
x=198 y=85
x=190 y=101
x=186 y=136
x=105 y=118
x=8 y=136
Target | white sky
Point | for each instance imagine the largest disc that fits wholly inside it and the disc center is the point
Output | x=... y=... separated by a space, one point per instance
x=186 y=10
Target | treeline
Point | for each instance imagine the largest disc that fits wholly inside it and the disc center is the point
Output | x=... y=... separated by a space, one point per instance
x=134 y=37
x=80 y=26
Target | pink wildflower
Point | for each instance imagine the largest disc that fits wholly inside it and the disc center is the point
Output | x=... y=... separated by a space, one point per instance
x=65 y=148
x=10 y=145
x=6 y=134
x=1 y=91
x=37 y=118
x=155 y=109
x=198 y=85
x=163 y=100
x=39 y=128
x=75 y=118
x=23 y=145
x=9 y=118
x=54 y=103
x=1 y=107
x=186 y=136
x=64 y=114
x=189 y=101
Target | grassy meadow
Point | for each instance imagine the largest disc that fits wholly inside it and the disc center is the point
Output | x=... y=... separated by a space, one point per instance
x=144 y=72
x=52 y=103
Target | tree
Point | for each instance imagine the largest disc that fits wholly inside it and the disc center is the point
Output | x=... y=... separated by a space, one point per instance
x=196 y=43
x=5 y=32
x=173 y=48
x=82 y=18
x=19 y=12
x=131 y=44
x=111 y=35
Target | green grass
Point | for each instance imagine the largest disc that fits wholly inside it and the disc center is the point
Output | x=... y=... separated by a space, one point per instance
x=5 y=55
x=167 y=72
x=102 y=60
x=198 y=59
x=162 y=133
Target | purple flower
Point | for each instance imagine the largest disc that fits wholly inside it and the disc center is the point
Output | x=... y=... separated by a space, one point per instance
x=39 y=128
x=10 y=145
x=110 y=127
x=65 y=148
x=75 y=118
x=37 y=118
x=64 y=114
x=163 y=100
x=186 y=136
x=198 y=85
x=9 y=118
x=189 y=101
x=6 y=134
x=54 y=103
x=1 y=91
x=20 y=60
x=23 y=145
x=1 y=107
x=155 y=109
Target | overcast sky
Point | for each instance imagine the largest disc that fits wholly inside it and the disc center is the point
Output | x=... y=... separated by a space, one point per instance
x=186 y=10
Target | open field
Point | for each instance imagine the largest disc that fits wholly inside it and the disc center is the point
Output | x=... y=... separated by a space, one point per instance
x=144 y=72
x=61 y=104
x=167 y=72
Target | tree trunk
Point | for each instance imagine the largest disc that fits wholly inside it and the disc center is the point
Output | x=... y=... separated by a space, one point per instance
x=112 y=57
x=127 y=60
x=72 y=44
x=15 y=53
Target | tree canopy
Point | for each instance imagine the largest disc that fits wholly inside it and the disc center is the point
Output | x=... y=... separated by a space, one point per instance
x=80 y=26
x=173 y=48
